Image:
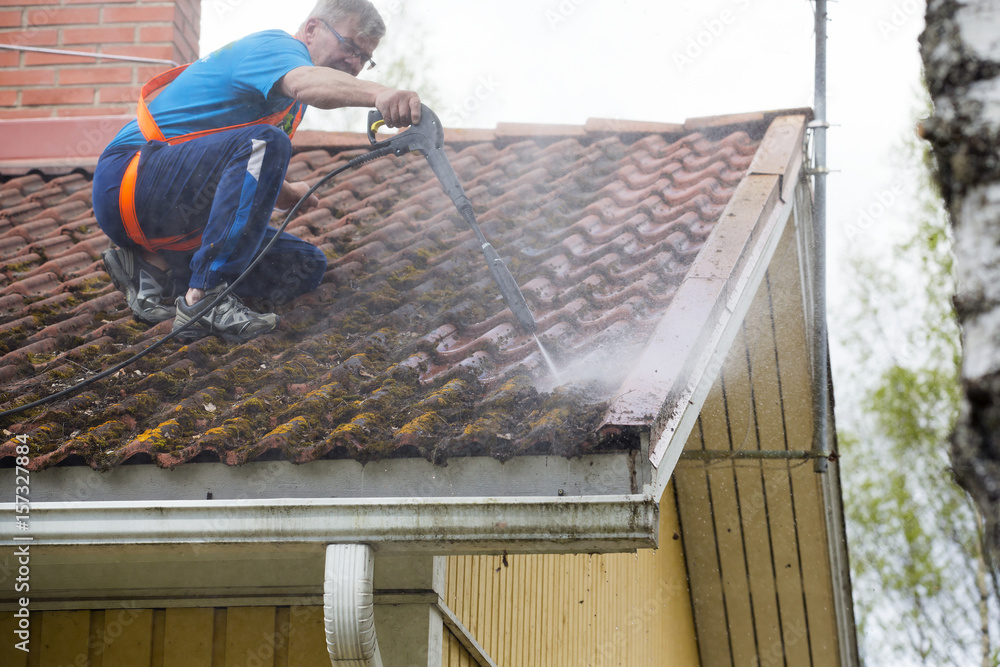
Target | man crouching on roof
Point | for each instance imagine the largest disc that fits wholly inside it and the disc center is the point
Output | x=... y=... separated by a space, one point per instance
x=185 y=191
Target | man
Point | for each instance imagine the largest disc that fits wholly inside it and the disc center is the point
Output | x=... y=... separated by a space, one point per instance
x=186 y=190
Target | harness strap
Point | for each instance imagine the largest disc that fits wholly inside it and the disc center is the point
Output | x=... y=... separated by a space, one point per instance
x=126 y=204
x=151 y=132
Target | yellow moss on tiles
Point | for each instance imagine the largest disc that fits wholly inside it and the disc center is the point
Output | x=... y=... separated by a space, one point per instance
x=66 y=372
x=551 y=418
x=293 y=425
x=231 y=429
x=365 y=418
x=161 y=437
x=446 y=395
x=37 y=359
x=423 y=424
x=358 y=426
x=253 y=405
x=484 y=427
x=88 y=285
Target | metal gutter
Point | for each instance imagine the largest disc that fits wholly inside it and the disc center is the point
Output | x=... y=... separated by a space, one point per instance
x=392 y=525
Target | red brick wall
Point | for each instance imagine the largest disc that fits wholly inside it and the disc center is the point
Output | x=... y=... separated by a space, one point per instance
x=41 y=85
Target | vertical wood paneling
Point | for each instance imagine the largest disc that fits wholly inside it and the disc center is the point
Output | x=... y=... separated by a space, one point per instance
x=760 y=562
x=758 y=360
x=787 y=563
x=816 y=573
x=701 y=553
x=219 y=637
x=64 y=637
x=455 y=655
x=769 y=392
x=724 y=502
x=531 y=648
x=762 y=517
x=735 y=580
x=307 y=637
x=250 y=636
x=159 y=632
x=9 y=655
x=510 y=571
x=600 y=610
x=187 y=637
x=791 y=343
x=282 y=633
x=128 y=638
x=38 y=627
x=551 y=626
x=176 y=637
x=95 y=641
x=807 y=504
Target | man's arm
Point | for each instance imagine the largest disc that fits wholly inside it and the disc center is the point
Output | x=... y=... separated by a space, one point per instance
x=327 y=88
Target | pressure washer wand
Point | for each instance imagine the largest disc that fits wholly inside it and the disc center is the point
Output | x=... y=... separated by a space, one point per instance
x=427 y=139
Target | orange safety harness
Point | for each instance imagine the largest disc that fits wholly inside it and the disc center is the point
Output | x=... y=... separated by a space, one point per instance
x=151 y=132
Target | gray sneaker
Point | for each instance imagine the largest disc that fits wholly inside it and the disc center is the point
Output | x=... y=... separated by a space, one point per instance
x=230 y=319
x=147 y=289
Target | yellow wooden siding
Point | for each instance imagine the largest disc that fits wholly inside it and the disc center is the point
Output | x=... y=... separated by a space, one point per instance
x=128 y=637
x=754 y=532
x=188 y=637
x=454 y=654
x=9 y=654
x=597 y=610
x=233 y=637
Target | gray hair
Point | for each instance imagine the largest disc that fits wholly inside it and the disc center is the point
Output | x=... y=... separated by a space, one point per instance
x=369 y=21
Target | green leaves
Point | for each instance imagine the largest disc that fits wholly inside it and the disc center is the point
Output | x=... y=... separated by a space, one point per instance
x=913 y=534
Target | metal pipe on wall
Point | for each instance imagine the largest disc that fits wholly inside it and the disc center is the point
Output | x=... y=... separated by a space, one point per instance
x=820 y=340
x=85 y=54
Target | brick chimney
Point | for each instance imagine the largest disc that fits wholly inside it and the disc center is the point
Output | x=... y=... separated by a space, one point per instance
x=47 y=85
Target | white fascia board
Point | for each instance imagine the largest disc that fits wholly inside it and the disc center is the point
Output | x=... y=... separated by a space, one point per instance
x=430 y=525
x=464 y=477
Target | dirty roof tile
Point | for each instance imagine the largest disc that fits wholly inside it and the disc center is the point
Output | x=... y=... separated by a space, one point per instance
x=406 y=348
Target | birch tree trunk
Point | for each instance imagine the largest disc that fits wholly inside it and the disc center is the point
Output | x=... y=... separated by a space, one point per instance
x=960 y=48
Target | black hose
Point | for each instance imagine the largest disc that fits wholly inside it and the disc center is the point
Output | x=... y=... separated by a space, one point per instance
x=69 y=391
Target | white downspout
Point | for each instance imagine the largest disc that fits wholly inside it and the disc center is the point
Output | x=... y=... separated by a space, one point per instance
x=349 y=607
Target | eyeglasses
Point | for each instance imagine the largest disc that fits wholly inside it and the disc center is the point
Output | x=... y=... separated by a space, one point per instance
x=356 y=51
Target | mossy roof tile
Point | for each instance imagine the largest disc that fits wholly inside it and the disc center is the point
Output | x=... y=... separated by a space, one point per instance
x=406 y=349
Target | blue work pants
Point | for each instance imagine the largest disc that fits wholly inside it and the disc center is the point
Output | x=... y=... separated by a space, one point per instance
x=225 y=186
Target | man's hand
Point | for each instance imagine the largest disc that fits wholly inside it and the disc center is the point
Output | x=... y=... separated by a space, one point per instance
x=291 y=193
x=399 y=108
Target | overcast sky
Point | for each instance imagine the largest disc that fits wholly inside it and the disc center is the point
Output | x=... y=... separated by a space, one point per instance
x=564 y=61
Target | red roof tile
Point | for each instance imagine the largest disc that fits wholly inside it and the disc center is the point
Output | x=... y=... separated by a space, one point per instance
x=406 y=349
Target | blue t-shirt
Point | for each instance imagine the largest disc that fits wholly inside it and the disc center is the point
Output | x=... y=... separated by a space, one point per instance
x=230 y=86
